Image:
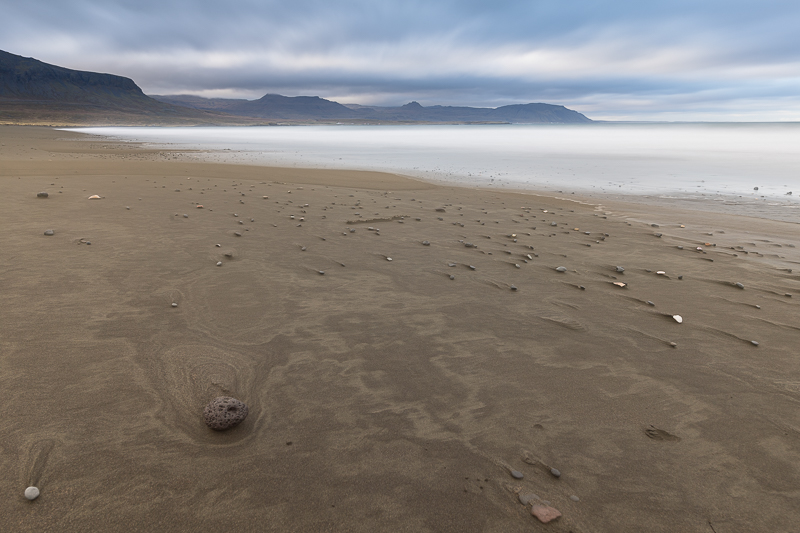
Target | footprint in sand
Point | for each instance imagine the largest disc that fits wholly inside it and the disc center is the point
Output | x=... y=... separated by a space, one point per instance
x=190 y=376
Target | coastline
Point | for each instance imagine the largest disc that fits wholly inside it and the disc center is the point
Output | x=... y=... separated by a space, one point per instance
x=384 y=395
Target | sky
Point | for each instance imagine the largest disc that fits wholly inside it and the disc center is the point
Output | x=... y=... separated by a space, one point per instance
x=674 y=60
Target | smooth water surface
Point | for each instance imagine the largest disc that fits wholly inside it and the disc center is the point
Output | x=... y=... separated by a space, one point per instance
x=681 y=159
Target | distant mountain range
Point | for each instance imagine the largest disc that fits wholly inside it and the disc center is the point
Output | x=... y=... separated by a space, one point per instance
x=33 y=92
x=277 y=107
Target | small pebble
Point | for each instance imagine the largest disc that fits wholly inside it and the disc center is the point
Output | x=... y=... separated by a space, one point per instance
x=516 y=474
x=650 y=303
x=754 y=343
x=527 y=497
x=321 y=272
x=31 y=493
x=657 y=234
x=513 y=287
x=237 y=233
x=185 y=215
x=740 y=285
x=42 y=194
x=678 y=318
x=674 y=345
x=544 y=513
x=174 y=304
x=452 y=276
x=680 y=277
x=561 y=269
x=48 y=232
x=388 y=258
x=574 y=498
x=218 y=245
x=581 y=287
x=552 y=223
x=619 y=269
x=788 y=295
x=472 y=267
x=555 y=472
x=680 y=247
x=426 y=243
x=219 y=263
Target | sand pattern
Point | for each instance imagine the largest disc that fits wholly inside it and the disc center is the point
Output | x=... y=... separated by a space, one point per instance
x=383 y=395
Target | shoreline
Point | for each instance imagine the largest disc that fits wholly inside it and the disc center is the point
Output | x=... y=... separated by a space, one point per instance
x=402 y=346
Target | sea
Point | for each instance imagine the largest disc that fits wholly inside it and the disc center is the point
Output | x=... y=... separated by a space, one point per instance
x=753 y=162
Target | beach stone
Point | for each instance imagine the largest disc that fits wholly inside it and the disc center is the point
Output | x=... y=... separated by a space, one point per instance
x=754 y=343
x=678 y=318
x=555 y=472
x=174 y=304
x=553 y=224
x=561 y=269
x=619 y=269
x=674 y=345
x=185 y=215
x=544 y=513
x=32 y=493
x=426 y=243
x=513 y=288
x=219 y=263
x=237 y=233
x=49 y=232
x=516 y=474
x=224 y=413
x=740 y=285
x=650 y=303
x=42 y=194
x=452 y=276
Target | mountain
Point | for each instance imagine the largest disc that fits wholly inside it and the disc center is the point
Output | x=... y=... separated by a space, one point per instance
x=276 y=107
x=34 y=92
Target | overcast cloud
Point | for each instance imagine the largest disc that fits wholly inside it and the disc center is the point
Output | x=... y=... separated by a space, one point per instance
x=610 y=59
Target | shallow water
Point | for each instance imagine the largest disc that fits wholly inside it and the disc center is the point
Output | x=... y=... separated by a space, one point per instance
x=688 y=160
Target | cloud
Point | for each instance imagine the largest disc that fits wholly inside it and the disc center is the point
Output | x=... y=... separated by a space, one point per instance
x=659 y=59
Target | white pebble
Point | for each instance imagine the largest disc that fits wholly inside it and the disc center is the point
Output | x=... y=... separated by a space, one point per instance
x=678 y=318
x=174 y=304
x=31 y=493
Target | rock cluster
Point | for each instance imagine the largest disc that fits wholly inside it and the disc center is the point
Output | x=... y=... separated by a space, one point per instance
x=224 y=413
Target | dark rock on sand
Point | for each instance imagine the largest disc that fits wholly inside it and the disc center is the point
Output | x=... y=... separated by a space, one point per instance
x=42 y=194
x=48 y=232
x=224 y=413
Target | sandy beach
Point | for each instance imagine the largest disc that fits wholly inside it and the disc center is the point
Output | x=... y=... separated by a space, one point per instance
x=402 y=347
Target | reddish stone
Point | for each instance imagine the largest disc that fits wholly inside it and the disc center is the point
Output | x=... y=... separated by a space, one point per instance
x=544 y=513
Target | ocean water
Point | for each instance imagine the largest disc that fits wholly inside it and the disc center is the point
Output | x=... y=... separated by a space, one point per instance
x=680 y=160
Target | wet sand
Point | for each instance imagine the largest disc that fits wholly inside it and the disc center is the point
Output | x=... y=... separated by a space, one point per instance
x=383 y=395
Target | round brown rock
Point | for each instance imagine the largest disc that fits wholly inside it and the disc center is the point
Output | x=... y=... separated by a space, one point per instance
x=224 y=413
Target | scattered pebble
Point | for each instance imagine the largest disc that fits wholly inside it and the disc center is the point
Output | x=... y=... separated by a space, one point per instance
x=674 y=345
x=237 y=233
x=452 y=276
x=516 y=474
x=426 y=243
x=48 y=232
x=650 y=303
x=741 y=286
x=561 y=269
x=32 y=493
x=527 y=497
x=619 y=269
x=174 y=304
x=555 y=472
x=185 y=215
x=680 y=277
x=42 y=194
x=513 y=287
x=574 y=498
x=219 y=263
x=678 y=318
x=620 y=284
x=388 y=258
x=94 y=197
x=754 y=343
x=661 y=273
